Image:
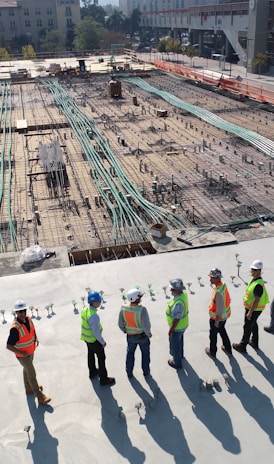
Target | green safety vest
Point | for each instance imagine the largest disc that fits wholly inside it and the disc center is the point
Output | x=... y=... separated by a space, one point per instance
x=86 y=332
x=249 y=295
x=183 y=322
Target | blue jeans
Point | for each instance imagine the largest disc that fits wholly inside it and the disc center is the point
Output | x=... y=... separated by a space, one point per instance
x=176 y=347
x=132 y=342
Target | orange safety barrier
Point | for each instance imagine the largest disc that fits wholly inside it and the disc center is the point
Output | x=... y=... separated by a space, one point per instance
x=242 y=89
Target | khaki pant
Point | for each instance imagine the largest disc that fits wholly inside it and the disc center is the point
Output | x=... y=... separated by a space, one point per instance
x=29 y=375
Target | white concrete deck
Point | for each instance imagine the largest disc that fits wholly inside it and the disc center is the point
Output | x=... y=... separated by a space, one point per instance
x=179 y=421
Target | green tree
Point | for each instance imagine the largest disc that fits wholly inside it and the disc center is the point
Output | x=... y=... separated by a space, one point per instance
x=53 y=41
x=4 y=54
x=162 y=46
x=260 y=61
x=191 y=52
x=132 y=24
x=28 y=52
x=88 y=34
x=116 y=22
x=96 y=12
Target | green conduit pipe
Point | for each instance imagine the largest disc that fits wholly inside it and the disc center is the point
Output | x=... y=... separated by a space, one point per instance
x=263 y=144
x=126 y=221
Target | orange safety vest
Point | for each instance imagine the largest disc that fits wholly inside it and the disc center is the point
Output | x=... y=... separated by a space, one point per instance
x=133 y=319
x=26 y=342
x=222 y=289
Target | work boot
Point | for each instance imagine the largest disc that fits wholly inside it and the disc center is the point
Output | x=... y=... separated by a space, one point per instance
x=44 y=399
x=225 y=351
x=108 y=381
x=208 y=352
x=29 y=390
x=239 y=347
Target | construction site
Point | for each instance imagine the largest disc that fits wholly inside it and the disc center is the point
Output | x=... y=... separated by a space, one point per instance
x=102 y=163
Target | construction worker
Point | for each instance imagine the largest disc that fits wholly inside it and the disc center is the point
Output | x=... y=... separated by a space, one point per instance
x=219 y=311
x=23 y=342
x=177 y=319
x=134 y=321
x=92 y=335
x=255 y=300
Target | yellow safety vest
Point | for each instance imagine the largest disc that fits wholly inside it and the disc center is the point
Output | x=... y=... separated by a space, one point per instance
x=87 y=333
x=249 y=295
x=183 y=322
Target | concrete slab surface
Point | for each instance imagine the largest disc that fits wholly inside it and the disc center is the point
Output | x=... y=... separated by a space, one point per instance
x=169 y=417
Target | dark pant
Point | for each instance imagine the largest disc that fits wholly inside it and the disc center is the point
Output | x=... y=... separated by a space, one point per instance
x=132 y=342
x=213 y=332
x=96 y=349
x=251 y=329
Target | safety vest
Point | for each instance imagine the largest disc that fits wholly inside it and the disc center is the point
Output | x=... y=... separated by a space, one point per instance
x=26 y=342
x=183 y=322
x=222 y=289
x=86 y=332
x=133 y=319
x=249 y=295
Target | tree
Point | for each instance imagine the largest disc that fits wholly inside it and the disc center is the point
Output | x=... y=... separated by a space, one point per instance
x=88 y=34
x=96 y=12
x=162 y=46
x=191 y=52
x=53 y=41
x=260 y=61
x=116 y=22
x=4 y=54
x=28 y=52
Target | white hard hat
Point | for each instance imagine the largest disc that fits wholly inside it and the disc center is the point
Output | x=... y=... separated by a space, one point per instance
x=257 y=264
x=215 y=273
x=19 y=305
x=133 y=294
x=177 y=284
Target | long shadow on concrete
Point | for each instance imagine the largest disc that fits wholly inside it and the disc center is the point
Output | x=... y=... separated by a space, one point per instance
x=114 y=425
x=214 y=417
x=163 y=426
x=44 y=446
x=257 y=404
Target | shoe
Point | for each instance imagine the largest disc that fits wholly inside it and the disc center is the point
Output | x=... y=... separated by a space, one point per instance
x=30 y=392
x=213 y=356
x=269 y=329
x=108 y=381
x=239 y=347
x=130 y=375
x=44 y=399
x=251 y=343
x=229 y=353
x=94 y=374
x=171 y=364
x=145 y=374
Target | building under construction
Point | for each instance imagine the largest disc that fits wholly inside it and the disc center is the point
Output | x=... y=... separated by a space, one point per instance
x=95 y=170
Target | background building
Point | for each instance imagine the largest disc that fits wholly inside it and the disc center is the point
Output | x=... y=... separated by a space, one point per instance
x=239 y=29
x=30 y=17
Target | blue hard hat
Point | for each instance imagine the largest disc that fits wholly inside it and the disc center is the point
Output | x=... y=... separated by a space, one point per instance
x=94 y=296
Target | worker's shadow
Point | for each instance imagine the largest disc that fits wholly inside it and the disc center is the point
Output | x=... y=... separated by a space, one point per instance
x=208 y=410
x=257 y=404
x=114 y=425
x=164 y=427
x=268 y=370
x=44 y=446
